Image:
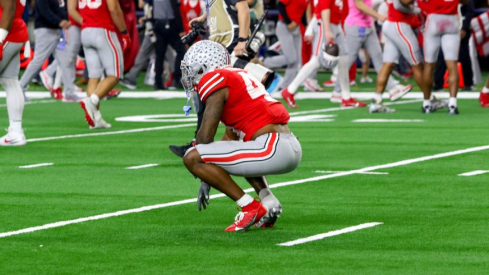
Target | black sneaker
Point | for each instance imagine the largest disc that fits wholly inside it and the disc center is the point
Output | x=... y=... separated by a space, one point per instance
x=180 y=150
x=128 y=83
x=428 y=109
x=453 y=110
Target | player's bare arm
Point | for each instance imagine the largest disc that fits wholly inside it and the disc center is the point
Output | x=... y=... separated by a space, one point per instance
x=364 y=8
x=244 y=26
x=326 y=20
x=116 y=15
x=73 y=11
x=8 y=7
x=212 y=116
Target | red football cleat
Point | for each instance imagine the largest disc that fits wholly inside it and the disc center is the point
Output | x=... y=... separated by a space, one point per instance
x=57 y=93
x=112 y=94
x=352 y=103
x=250 y=214
x=484 y=99
x=329 y=83
x=289 y=98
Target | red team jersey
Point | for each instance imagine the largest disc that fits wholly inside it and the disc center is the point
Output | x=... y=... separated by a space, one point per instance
x=339 y=10
x=394 y=15
x=249 y=107
x=18 y=31
x=95 y=14
x=189 y=9
x=295 y=9
x=439 y=6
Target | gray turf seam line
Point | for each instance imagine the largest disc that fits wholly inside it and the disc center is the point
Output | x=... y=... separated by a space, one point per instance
x=318 y=178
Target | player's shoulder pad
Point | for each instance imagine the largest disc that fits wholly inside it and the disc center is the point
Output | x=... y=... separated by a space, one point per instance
x=211 y=82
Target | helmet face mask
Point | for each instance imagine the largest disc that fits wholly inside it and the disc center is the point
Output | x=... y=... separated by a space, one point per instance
x=201 y=58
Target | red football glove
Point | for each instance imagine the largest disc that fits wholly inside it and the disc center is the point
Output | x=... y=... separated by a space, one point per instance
x=1 y=51
x=126 y=42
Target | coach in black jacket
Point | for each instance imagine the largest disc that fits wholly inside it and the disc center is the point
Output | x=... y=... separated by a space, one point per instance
x=168 y=28
x=51 y=17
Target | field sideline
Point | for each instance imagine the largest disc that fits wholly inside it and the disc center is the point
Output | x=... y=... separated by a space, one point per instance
x=399 y=193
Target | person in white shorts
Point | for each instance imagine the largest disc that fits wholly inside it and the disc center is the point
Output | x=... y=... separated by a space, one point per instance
x=103 y=53
x=442 y=31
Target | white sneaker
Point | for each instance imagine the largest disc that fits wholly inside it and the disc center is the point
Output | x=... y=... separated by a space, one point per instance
x=13 y=138
x=312 y=85
x=71 y=98
x=399 y=91
x=100 y=122
x=335 y=97
x=366 y=79
x=89 y=109
x=46 y=80
x=379 y=108
x=79 y=89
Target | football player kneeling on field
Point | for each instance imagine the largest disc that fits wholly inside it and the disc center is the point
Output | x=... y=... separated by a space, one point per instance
x=257 y=140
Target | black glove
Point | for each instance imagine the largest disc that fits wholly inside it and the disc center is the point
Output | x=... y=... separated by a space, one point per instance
x=203 y=198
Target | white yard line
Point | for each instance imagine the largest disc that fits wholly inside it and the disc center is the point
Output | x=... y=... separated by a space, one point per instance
x=142 y=166
x=34 y=102
x=371 y=120
x=277 y=185
x=365 y=173
x=330 y=234
x=36 y=165
x=473 y=173
x=113 y=133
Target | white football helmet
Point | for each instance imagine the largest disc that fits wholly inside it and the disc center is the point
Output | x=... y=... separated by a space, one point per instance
x=326 y=60
x=201 y=58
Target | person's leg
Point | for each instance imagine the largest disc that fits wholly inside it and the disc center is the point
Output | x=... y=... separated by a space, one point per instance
x=147 y=48
x=450 y=44
x=177 y=45
x=161 y=45
x=464 y=58
x=67 y=62
x=439 y=73
x=46 y=42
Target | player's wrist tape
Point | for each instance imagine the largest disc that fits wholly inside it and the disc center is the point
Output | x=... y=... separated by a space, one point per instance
x=124 y=32
x=3 y=35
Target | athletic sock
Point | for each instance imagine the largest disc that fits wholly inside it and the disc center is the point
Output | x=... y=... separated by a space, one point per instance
x=15 y=102
x=485 y=90
x=304 y=72
x=377 y=98
x=94 y=99
x=426 y=102
x=343 y=77
x=244 y=200
x=452 y=101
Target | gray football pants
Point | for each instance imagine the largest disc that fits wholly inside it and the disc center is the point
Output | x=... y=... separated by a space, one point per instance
x=291 y=46
x=368 y=39
x=68 y=60
x=46 y=43
x=146 y=50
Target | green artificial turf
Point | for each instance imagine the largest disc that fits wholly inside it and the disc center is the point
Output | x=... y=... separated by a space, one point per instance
x=433 y=221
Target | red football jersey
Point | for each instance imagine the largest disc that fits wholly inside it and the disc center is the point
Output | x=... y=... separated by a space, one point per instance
x=295 y=9
x=189 y=9
x=18 y=31
x=338 y=8
x=394 y=15
x=439 y=6
x=95 y=14
x=249 y=107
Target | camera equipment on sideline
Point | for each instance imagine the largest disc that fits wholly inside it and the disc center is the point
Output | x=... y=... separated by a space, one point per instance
x=197 y=29
x=261 y=73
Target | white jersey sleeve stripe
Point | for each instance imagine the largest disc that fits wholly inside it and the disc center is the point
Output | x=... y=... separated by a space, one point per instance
x=203 y=94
